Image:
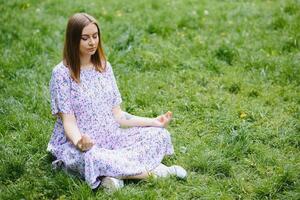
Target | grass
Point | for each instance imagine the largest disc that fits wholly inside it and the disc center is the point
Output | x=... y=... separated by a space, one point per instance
x=229 y=70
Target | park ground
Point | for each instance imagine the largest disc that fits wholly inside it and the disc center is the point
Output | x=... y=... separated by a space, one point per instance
x=229 y=71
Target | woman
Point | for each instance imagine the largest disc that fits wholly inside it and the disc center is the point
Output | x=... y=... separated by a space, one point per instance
x=87 y=138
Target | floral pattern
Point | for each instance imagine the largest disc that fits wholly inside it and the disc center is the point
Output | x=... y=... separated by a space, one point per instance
x=117 y=151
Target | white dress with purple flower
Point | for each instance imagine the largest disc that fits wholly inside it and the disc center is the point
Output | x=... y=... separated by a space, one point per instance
x=117 y=151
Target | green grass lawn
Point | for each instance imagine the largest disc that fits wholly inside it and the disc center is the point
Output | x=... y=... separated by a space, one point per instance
x=229 y=70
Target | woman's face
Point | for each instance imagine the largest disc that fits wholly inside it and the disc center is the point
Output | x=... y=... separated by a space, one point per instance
x=89 y=40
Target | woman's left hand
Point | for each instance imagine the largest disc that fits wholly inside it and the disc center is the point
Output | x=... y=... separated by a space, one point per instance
x=163 y=120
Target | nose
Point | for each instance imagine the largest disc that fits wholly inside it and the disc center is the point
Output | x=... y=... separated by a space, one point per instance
x=92 y=41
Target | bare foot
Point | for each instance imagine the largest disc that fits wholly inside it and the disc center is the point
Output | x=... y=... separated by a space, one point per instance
x=163 y=120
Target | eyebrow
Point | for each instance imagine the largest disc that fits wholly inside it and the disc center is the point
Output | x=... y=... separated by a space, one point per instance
x=88 y=35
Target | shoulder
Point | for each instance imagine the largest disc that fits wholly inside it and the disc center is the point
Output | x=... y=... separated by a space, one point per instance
x=108 y=65
x=60 y=71
x=108 y=68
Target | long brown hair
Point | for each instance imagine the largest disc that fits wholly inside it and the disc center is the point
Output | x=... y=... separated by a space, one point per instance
x=71 y=53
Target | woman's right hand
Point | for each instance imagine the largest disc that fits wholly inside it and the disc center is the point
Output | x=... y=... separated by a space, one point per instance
x=85 y=143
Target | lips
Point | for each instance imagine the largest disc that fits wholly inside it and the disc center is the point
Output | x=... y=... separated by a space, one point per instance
x=92 y=49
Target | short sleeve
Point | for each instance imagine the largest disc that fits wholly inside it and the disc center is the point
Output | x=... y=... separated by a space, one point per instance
x=116 y=98
x=60 y=92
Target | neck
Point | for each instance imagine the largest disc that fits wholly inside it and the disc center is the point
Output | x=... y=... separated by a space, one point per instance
x=85 y=60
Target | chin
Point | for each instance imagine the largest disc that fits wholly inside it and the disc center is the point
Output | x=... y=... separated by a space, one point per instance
x=91 y=53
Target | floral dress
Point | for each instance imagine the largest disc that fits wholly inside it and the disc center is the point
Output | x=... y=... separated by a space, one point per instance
x=117 y=151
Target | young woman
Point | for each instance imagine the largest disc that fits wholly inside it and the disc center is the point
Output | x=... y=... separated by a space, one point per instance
x=87 y=138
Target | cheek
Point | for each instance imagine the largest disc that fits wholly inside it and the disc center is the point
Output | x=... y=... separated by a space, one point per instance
x=83 y=44
x=97 y=41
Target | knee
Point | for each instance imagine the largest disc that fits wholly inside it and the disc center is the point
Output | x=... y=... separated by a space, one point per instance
x=163 y=133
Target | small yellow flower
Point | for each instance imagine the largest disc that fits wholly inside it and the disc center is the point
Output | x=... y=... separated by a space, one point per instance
x=119 y=13
x=243 y=115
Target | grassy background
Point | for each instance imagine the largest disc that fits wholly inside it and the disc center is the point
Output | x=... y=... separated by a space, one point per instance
x=229 y=70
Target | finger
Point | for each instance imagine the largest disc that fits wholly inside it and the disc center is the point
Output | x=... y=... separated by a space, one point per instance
x=169 y=114
x=88 y=147
x=88 y=144
x=85 y=148
x=79 y=145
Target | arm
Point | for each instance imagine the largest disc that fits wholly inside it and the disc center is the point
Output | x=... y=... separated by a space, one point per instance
x=126 y=119
x=60 y=91
x=81 y=141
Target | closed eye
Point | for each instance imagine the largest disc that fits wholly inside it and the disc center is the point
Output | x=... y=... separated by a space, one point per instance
x=95 y=36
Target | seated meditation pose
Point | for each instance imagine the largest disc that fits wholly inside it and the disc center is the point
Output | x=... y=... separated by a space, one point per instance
x=93 y=137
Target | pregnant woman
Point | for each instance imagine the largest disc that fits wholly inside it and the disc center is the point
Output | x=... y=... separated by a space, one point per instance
x=88 y=138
